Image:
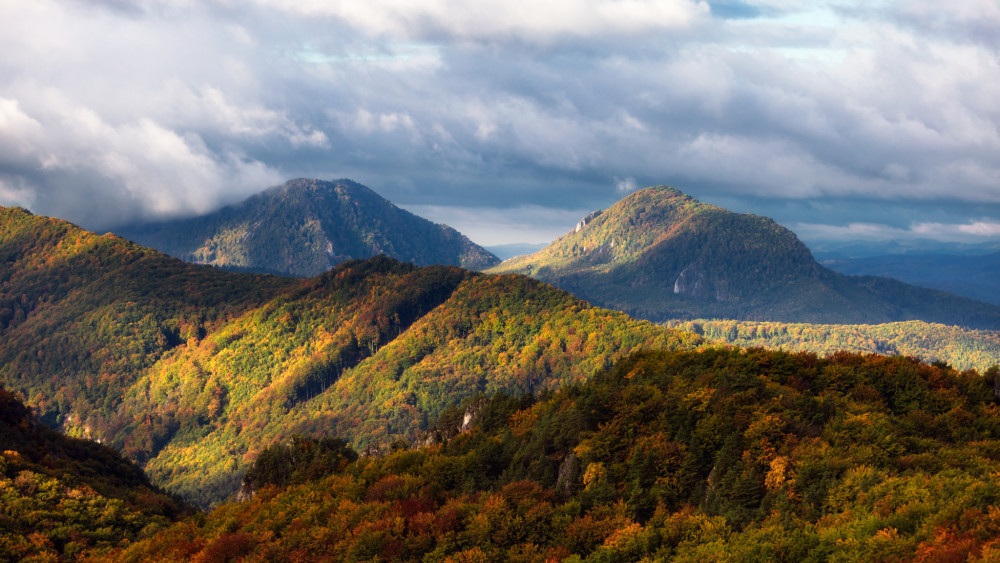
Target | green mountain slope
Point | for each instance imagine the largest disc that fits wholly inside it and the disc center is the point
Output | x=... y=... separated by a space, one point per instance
x=660 y=254
x=82 y=314
x=61 y=496
x=719 y=455
x=959 y=347
x=304 y=227
x=370 y=352
x=191 y=370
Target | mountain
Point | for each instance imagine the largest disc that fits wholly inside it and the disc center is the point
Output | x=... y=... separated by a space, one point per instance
x=384 y=411
x=660 y=254
x=974 y=276
x=191 y=371
x=304 y=227
x=718 y=455
x=60 y=496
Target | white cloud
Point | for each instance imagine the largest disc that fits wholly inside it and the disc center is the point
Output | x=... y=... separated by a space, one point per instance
x=169 y=105
x=18 y=132
x=626 y=186
x=153 y=169
x=256 y=121
x=12 y=194
x=367 y=122
x=502 y=19
x=977 y=231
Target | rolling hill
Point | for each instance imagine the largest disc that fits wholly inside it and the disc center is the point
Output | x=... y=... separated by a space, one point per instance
x=190 y=370
x=305 y=227
x=719 y=455
x=387 y=411
x=660 y=254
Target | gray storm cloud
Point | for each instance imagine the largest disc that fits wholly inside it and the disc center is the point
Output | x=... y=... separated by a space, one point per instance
x=112 y=112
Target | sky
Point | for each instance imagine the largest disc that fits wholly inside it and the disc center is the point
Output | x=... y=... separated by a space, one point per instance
x=510 y=119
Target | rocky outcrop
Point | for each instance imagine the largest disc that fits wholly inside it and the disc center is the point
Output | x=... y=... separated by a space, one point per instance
x=586 y=221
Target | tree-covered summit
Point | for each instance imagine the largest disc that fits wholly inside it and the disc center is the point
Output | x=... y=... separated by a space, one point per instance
x=661 y=254
x=304 y=227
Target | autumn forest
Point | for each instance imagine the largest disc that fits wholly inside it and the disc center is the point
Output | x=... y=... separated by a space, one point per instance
x=155 y=409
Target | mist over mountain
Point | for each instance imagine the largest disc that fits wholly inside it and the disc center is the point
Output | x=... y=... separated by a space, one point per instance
x=305 y=227
x=660 y=254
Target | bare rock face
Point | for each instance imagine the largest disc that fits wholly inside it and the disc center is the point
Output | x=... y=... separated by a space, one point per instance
x=470 y=416
x=692 y=282
x=586 y=220
x=568 y=469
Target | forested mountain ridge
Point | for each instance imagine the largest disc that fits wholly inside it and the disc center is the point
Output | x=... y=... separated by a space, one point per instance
x=62 y=496
x=190 y=370
x=82 y=314
x=959 y=347
x=660 y=254
x=504 y=420
x=304 y=227
x=719 y=455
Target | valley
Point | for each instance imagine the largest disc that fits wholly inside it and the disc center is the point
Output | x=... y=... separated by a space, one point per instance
x=386 y=410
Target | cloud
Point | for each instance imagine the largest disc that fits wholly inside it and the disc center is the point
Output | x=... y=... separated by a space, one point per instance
x=488 y=20
x=254 y=121
x=975 y=21
x=77 y=165
x=626 y=186
x=976 y=231
x=16 y=195
x=787 y=107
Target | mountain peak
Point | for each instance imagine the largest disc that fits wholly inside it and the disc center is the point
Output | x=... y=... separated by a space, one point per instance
x=661 y=254
x=621 y=234
x=315 y=186
x=306 y=226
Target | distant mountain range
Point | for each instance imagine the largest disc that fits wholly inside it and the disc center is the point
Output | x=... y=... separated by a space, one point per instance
x=305 y=227
x=660 y=254
x=505 y=251
x=850 y=249
x=974 y=276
